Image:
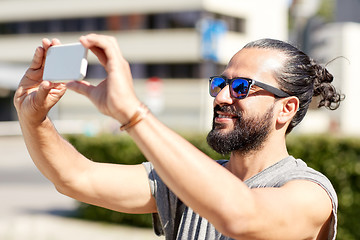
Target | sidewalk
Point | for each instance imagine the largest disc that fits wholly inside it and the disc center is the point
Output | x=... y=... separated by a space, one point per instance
x=31 y=208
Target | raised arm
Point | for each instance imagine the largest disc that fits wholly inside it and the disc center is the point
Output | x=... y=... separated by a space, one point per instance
x=298 y=210
x=121 y=188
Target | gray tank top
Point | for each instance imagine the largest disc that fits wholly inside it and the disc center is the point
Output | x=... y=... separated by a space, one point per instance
x=177 y=221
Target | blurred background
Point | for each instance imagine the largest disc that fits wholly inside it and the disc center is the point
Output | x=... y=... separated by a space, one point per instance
x=172 y=47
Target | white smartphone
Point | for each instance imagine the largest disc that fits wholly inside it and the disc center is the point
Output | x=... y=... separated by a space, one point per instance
x=66 y=62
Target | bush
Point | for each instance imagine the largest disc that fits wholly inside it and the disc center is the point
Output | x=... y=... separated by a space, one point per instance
x=109 y=149
x=337 y=158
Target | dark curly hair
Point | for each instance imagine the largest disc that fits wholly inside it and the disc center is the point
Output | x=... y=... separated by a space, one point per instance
x=302 y=77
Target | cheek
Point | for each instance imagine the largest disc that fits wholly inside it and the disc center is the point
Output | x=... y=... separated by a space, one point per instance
x=249 y=106
x=255 y=106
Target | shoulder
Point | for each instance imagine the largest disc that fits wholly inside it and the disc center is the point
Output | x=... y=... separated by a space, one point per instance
x=308 y=192
x=288 y=169
x=299 y=170
x=307 y=185
x=291 y=169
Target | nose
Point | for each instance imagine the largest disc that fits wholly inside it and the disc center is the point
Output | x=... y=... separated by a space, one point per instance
x=224 y=97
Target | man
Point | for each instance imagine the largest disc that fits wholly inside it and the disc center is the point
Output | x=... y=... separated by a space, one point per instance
x=260 y=193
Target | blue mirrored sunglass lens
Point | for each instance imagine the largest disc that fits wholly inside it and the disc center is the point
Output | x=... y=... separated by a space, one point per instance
x=239 y=88
x=216 y=85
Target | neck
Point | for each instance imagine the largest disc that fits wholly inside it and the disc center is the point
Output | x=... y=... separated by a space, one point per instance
x=246 y=165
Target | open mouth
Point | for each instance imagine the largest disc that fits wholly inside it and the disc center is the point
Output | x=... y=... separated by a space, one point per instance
x=221 y=117
x=225 y=116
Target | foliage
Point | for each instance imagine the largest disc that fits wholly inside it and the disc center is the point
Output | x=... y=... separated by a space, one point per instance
x=326 y=10
x=338 y=158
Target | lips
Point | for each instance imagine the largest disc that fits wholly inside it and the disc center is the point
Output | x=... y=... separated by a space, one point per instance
x=225 y=115
x=222 y=117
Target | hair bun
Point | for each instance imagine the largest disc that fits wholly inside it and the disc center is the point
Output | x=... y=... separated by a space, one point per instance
x=324 y=88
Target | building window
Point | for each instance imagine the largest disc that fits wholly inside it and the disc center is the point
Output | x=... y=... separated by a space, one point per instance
x=234 y=24
x=122 y=22
x=173 y=70
x=8 y=112
x=173 y=20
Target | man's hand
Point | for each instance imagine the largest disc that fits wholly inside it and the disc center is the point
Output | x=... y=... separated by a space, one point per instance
x=34 y=97
x=115 y=95
x=72 y=173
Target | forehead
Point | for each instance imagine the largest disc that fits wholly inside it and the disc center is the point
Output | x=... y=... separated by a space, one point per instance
x=255 y=63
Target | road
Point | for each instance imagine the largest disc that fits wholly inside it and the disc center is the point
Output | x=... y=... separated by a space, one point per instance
x=31 y=208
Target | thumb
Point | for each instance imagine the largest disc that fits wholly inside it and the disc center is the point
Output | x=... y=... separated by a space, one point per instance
x=42 y=93
x=49 y=94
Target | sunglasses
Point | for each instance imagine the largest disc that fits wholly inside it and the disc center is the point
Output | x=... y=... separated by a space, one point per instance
x=240 y=87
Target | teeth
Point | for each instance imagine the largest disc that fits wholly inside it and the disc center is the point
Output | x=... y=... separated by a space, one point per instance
x=223 y=116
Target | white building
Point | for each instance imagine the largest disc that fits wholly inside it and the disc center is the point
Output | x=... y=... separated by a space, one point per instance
x=335 y=45
x=159 y=38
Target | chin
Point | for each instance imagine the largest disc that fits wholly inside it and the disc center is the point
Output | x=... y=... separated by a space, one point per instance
x=223 y=127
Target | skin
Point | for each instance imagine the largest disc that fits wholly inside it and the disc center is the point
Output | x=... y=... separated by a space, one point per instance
x=298 y=210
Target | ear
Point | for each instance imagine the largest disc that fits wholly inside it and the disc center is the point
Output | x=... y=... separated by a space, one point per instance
x=288 y=108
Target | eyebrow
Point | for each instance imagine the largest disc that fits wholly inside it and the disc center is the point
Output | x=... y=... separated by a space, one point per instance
x=223 y=76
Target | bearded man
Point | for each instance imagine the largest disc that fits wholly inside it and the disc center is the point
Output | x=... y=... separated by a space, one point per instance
x=259 y=193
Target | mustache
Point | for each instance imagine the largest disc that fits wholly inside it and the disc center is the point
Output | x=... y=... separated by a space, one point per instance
x=226 y=109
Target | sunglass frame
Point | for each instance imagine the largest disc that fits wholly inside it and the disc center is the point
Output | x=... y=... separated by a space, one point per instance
x=277 y=92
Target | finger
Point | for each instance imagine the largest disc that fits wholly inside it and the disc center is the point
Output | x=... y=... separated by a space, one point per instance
x=38 y=58
x=81 y=87
x=40 y=52
x=42 y=93
x=49 y=94
x=108 y=45
x=47 y=44
x=57 y=90
x=55 y=42
x=99 y=52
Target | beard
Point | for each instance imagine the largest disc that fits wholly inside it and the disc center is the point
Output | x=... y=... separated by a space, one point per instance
x=248 y=134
